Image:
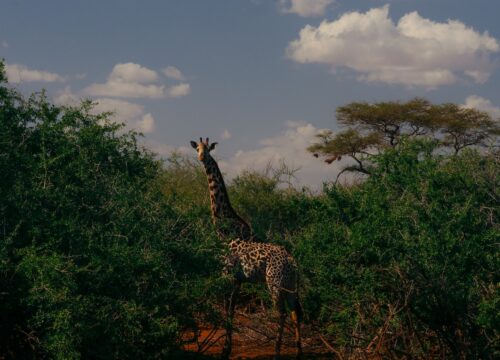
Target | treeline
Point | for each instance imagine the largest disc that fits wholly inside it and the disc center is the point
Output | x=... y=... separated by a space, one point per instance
x=107 y=252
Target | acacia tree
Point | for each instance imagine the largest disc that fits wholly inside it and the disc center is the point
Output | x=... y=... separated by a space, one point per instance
x=372 y=128
x=463 y=127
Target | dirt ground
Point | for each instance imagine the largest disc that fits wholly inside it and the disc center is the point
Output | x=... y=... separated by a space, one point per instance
x=254 y=334
x=254 y=338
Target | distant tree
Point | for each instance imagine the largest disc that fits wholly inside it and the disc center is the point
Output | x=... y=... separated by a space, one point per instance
x=462 y=127
x=372 y=128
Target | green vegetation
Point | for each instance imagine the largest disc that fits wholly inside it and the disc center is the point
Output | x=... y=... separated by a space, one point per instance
x=94 y=261
x=412 y=253
x=106 y=252
x=373 y=128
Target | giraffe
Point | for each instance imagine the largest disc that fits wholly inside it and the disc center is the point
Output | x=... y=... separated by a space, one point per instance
x=249 y=260
x=227 y=222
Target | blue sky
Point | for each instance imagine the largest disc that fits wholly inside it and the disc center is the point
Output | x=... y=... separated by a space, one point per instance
x=261 y=77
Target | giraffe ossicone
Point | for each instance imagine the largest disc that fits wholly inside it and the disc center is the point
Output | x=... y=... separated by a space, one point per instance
x=248 y=259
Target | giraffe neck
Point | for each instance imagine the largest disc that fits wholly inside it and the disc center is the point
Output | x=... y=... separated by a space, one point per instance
x=227 y=222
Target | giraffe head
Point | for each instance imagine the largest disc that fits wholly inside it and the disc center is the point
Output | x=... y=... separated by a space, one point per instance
x=203 y=148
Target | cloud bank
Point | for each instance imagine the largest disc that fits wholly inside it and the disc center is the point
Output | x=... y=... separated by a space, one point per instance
x=173 y=73
x=290 y=147
x=17 y=73
x=179 y=90
x=131 y=114
x=482 y=104
x=130 y=80
x=414 y=52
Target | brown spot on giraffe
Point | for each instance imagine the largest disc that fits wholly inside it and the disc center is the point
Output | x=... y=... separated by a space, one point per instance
x=250 y=260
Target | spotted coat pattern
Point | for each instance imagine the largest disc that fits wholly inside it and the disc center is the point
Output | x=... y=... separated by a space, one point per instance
x=248 y=259
x=228 y=223
x=265 y=263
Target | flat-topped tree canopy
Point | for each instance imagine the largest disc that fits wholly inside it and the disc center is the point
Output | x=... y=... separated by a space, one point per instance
x=370 y=128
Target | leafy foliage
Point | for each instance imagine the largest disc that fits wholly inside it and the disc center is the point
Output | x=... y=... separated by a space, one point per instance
x=94 y=261
x=413 y=251
x=106 y=252
x=373 y=128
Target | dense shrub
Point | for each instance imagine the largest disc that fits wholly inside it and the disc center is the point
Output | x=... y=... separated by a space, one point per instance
x=409 y=256
x=403 y=263
x=106 y=252
x=94 y=261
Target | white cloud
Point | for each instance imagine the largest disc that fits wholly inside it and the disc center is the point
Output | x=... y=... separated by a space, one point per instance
x=289 y=146
x=67 y=97
x=122 y=109
x=173 y=73
x=17 y=73
x=414 y=52
x=146 y=124
x=305 y=7
x=127 y=80
x=5 y=44
x=482 y=104
x=225 y=134
x=130 y=72
x=126 y=89
x=130 y=80
x=179 y=90
x=131 y=114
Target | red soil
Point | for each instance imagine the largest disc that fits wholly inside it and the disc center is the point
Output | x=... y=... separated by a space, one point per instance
x=254 y=337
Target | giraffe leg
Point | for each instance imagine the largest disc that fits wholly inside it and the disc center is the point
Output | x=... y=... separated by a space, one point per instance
x=230 y=304
x=281 y=324
x=296 y=323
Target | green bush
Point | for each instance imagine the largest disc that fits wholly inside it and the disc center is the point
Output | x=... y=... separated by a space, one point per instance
x=106 y=252
x=94 y=261
x=413 y=250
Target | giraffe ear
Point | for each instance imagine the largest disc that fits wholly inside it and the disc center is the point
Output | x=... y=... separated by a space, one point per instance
x=213 y=146
x=194 y=144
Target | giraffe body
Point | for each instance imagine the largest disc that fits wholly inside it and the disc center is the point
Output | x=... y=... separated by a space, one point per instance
x=249 y=260
x=261 y=262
